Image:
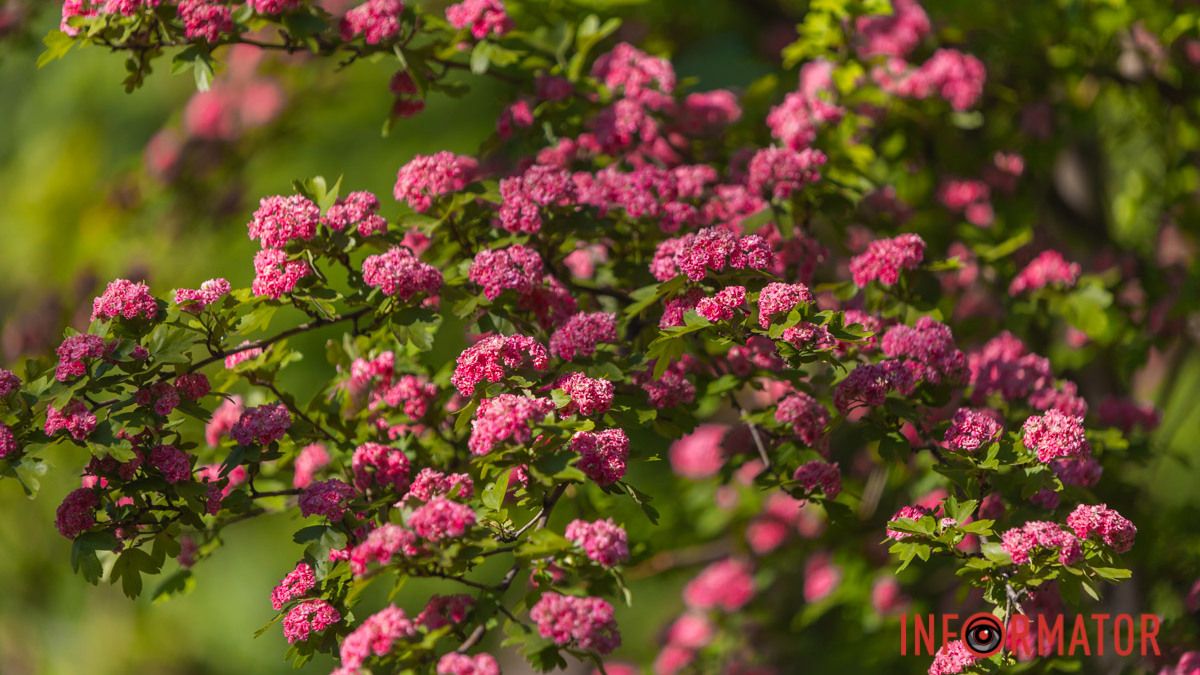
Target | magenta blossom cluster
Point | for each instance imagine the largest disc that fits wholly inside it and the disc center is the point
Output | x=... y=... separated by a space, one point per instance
x=482 y=17
x=491 y=357
x=580 y=335
x=586 y=623
x=819 y=476
x=709 y=250
x=1055 y=435
x=602 y=455
x=399 y=273
x=1048 y=268
x=884 y=259
x=194 y=300
x=971 y=429
x=506 y=418
x=427 y=177
x=1022 y=541
x=1115 y=530
x=124 y=299
x=589 y=396
x=603 y=540
x=375 y=20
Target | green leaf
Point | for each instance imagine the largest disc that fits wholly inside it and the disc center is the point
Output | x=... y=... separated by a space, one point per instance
x=57 y=44
x=180 y=583
x=493 y=493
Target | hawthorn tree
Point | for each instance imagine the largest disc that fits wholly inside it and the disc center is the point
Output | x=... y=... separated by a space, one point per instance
x=793 y=293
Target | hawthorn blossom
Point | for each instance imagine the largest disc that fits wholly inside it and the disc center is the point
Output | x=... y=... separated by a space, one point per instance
x=480 y=16
x=589 y=396
x=602 y=454
x=884 y=259
x=1048 y=268
x=1055 y=435
x=952 y=658
x=778 y=172
x=194 y=300
x=308 y=617
x=376 y=20
x=124 y=299
x=489 y=358
x=727 y=585
x=77 y=512
x=311 y=459
x=515 y=268
x=431 y=483
x=779 y=298
x=1115 y=530
x=445 y=610
x=427 y=177
x=262 y=425
x=819 y=476
x=638 y=76
x=585 y=623
x=699 y=454
x=914 y=512
x=375 y=636
x=359 y=210
x=807 y=417
x=581 y=333
x=971 y=429
x=524 y=196
x=380 y=466
x=896 y=34
x=603 y=540
x=440 y=519
x=1021 y=542
x=75 y=418
x=506 y=418
x=281 y=220
x=205 y=20
x=295 y=585
x=380 y=546
x=325 y=498
x=454 y=663
x=275 y=274
x=721 y=306
x=174 y=464
x=927 y=350
x=399 y=273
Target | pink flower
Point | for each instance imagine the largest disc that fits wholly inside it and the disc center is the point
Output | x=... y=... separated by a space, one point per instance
x=721 y=306
x=223 y=418
x=602 y=454
x=295 y=585
x=205 y=20
x=704 y=113
x=523 y=197
x=699 y=454
x=907 y=512
x=376 y=20
x=821 y=577
x=928 y=350
x=869 y=384
x=806 y=336
x=445 y=610
x=174 y=464
x=972 y=429
x=515 y=268
x=193 y=386
x=795 y=122
x=805 y=414
x=262 y=425
x=481 y=16
x=489 y=358
x=1003 y=365
x=1020 y=542
x=584 y=623
x=726 y=584
x=379 y=466
x=692 y=630
x=817 y=475
x=1114 y=529
x=885 y=258
x=1048 y=268
x=74 y=418
x=209 y=292
x=325 y=498
x=506 y=418
x=589 y=396
x=280 y=220
x=778 y=172
x=125 y=299
x=311 y=459
x=779 y=298
x=951 y=659
x=956 y=77
x=431 y=483
x=359 y=210
x=672 y=388
x=74 y=354
x=72 y=9
x=273 y=7
x=9 y=383
x=308 y=617
x=638 y=76
x=377 y=635
x=440 y=518
x=1055 y=435
x=77 y=512
x=454 y=663
x=518 y=114
x=275 y=274
x=8 y=442
x=603 y=540
x=581 y=333
x=894 y=35
x=400 y=273
x=427 y=177
x=711 y=249
x=886 y=595
x=380 y=546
